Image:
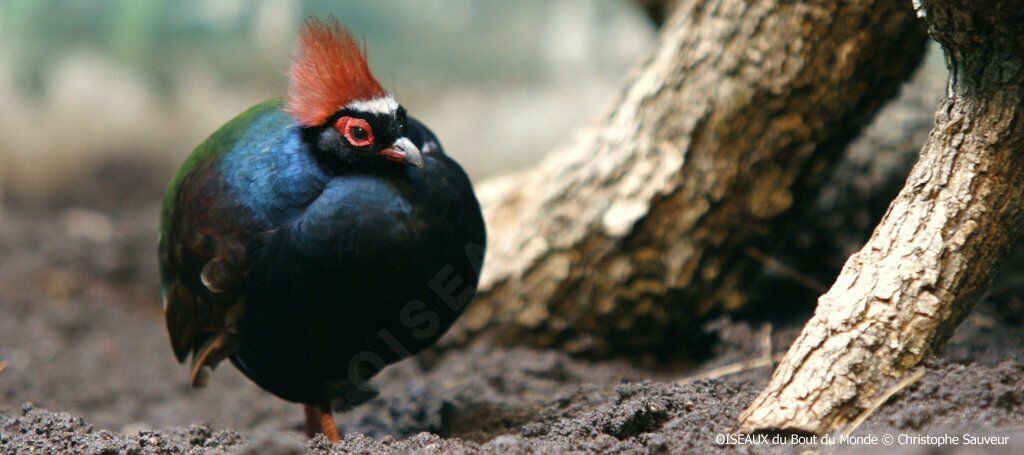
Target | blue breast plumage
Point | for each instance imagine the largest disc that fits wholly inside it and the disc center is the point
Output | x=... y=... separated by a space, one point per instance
x=317 y=278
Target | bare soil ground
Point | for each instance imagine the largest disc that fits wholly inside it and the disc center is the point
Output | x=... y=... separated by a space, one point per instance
x=89 y=368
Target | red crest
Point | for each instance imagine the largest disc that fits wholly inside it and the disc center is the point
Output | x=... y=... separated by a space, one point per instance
x=328 y=72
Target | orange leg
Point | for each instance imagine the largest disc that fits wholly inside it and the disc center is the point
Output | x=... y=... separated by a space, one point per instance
x=320 y=419
x=327 y=423
x=312 y=421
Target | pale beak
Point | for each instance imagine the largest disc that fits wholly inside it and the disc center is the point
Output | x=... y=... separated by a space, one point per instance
x=404 y=151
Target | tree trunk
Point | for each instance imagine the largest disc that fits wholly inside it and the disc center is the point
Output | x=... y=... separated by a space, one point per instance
x=640 y=222
x=936 y=250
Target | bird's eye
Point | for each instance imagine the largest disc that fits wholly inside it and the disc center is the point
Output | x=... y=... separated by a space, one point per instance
x=355 y=130
x=357 y=133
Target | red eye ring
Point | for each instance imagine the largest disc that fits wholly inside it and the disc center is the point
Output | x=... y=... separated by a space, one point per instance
x=355 y=130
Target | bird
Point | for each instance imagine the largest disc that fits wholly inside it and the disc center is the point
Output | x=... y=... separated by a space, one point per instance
x=314 y=240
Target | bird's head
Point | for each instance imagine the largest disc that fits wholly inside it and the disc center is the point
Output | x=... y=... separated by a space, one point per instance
x=345 y=113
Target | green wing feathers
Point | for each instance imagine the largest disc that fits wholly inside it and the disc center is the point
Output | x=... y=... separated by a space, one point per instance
x=202 y=255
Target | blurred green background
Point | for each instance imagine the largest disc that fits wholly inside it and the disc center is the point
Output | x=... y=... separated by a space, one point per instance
x=130 y=86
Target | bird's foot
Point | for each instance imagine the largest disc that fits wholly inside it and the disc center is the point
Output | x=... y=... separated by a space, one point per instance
x=312 y=421
x=320 y=419
x=327 y=423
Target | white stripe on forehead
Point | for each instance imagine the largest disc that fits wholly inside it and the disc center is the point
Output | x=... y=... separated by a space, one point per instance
x=382 y=105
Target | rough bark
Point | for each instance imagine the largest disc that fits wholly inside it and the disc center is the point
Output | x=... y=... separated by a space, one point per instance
x=935 y=251
x=640 y=222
